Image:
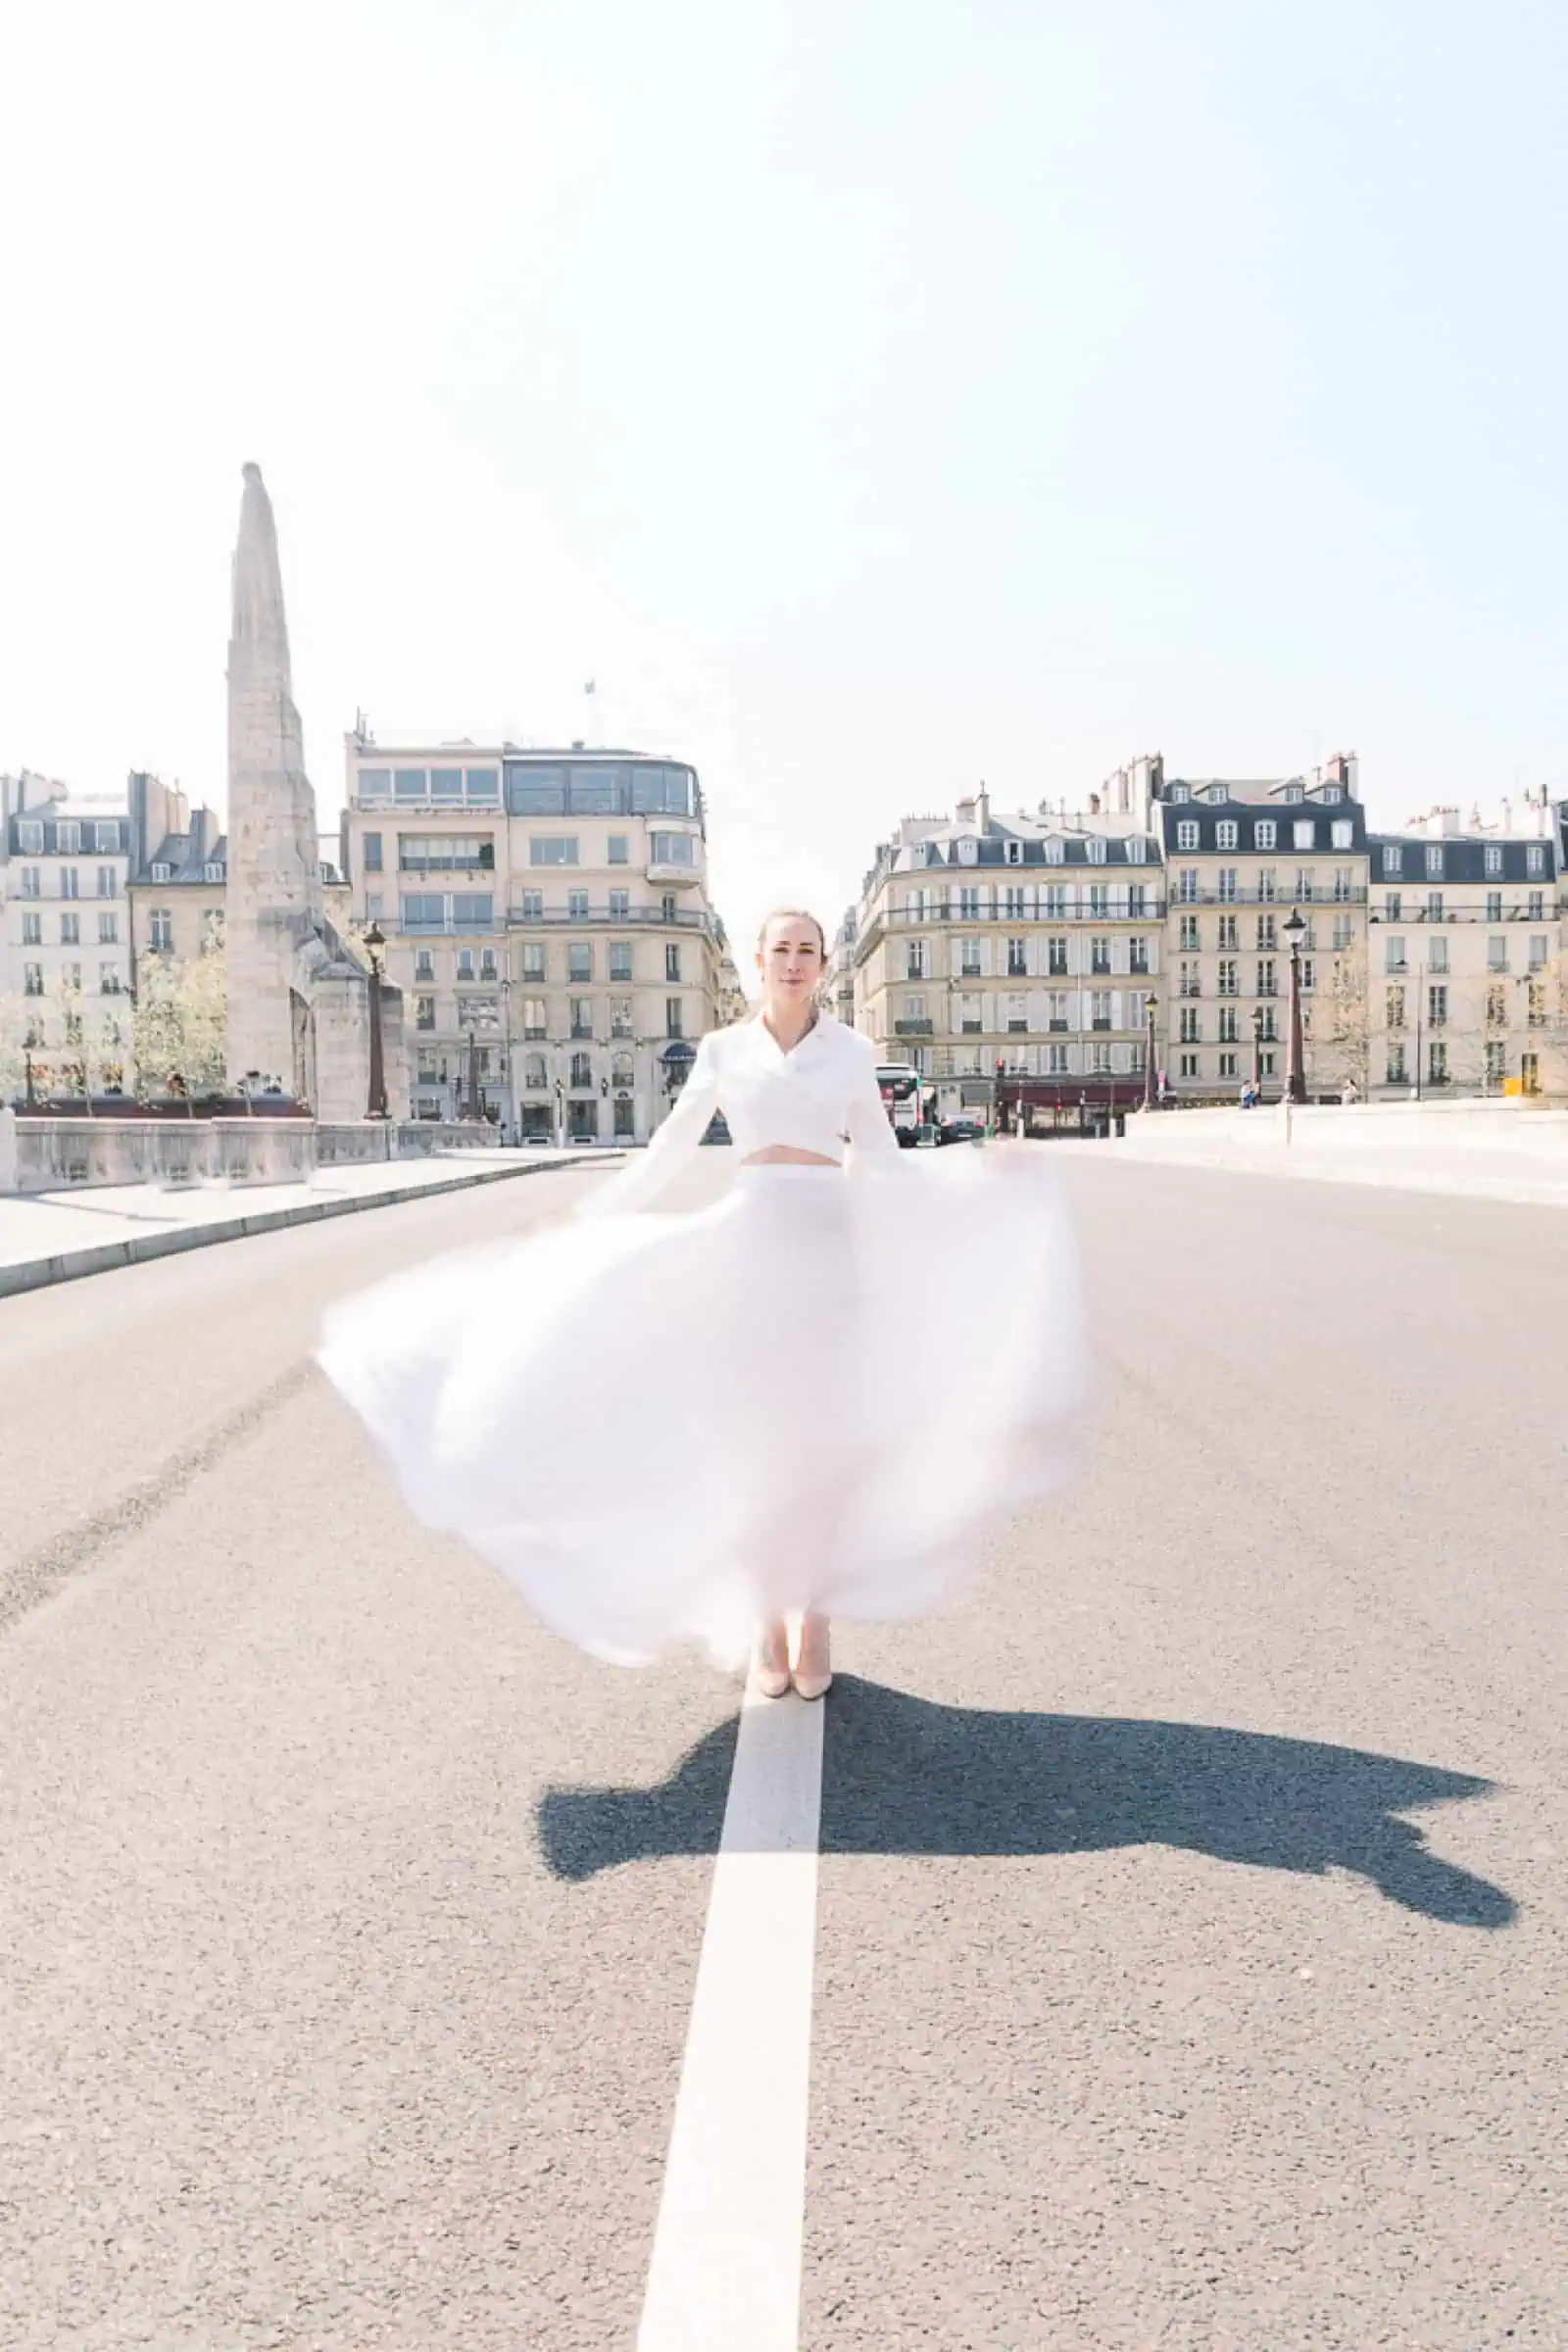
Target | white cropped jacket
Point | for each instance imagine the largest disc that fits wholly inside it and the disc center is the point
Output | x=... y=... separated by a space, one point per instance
x=821 y=1096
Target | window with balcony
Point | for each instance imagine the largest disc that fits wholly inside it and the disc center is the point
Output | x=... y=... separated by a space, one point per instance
x=1344 y=883
x=464 y=964
x=672 y=970
x=424 y=964
x=71 y=930
x=582 y=1072
x=1191 y=980
x=1268 y=931
x=33 y=930
x=1394 y=956
x=1137 y=958
x=535 y=1023
x=108 y=882
x=1188 y=940
x=673 y=849
x=1056 y=1010
x=1055 y=902
x=1438 y=956
x=1227 y=930
x=1017 y=959
x=70 y=882
x=914 y=961
x=969 y=1011
x=621 y=1024
x=1187 y=885
x=970 y=906
x=533 y=960
x=667 y=906
x=576 y=905
x=1438 y=1062
x=1188 y=1031
x=441 y=853
x=620 y=959
x=674 y=1017
x=619 y=906
x=424 y=1012
x=1270 y=1029
x=1267 y=883
x=581 y=1018
x=1394 y=1007
x=969 y=959
x=1229 y=981
x=1015 y=906
x=1268 y=977
x=1100 y=1009
x=1057 y=958
x=1306 y=883
x=580 y=959
x=1393 y=1066
x=1344 y=933
x=1498 y=954
x=1228 y=1018
x=1538 y=951
x=1437 y=1006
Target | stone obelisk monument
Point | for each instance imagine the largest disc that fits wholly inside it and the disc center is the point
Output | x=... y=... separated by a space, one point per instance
x=275 y=888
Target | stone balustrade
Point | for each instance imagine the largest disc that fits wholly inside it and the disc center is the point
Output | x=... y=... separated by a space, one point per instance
x=59 y=1154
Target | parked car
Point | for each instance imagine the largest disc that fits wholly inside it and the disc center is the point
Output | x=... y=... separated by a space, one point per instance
x=960 y=1130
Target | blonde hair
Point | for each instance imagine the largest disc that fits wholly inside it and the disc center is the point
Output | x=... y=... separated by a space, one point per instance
x=792 y=915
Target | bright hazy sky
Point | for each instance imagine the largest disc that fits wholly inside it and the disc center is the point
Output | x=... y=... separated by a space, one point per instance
x=874 y=396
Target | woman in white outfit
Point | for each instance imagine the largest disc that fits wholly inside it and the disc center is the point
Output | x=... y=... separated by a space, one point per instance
x=808 y=1399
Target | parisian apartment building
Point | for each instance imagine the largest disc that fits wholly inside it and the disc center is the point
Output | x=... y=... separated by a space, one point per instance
x=64 y=931
x=1015 y=956
x=1466 y=987
x=548 y=916
x=178 y=885
x=1034 y=960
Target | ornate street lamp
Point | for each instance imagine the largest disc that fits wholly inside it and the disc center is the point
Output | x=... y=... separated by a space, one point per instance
x=1257 y=1052
x=1151 y=1008
x=373 y=941
x=1296 y=1053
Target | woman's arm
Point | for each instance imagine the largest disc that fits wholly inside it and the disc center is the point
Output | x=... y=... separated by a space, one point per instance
x=648 y=1174
x=872 y=1142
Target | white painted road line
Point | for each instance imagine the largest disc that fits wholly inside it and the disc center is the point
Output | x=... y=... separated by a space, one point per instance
x=726 y=2263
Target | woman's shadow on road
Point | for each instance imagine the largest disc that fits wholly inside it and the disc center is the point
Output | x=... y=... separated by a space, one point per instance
x=904 y=1776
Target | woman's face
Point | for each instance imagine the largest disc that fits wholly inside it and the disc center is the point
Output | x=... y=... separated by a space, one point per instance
x=790 y=959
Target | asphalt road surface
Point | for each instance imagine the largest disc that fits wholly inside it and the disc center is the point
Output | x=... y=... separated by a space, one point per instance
x=1190 y=1951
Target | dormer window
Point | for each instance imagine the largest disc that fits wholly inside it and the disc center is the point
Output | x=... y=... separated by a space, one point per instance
x=1179 y=794
x=215 y=870
x=1217 y=796
x=163 y=873
x=1097 y=850
x=1393 y=858
x=1330 y=794
x=1136 y=848
x=968 y=850
x=1014 y=852
x=1226 y=833
x=1186 y=834
x=1535 y=860
x=1055 y=851
x=1265 y=833
x=29 y=837
x=1435 y=862
x=1293 y=795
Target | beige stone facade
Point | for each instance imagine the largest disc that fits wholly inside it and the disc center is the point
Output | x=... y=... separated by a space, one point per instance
x=1466 y=990
x=1240 y=858
x=1009 y=957
x=548 y=911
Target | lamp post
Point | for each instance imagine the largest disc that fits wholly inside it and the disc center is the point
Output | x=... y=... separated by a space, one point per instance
x=373 y=940
x=1151 y=1008
x=1296 y=1052
x=507 y=1065
x=26 y=1063
x=1257 y=1052
x=473 y=1108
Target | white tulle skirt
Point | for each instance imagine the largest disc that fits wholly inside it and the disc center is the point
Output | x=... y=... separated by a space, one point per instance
x=820 y=1392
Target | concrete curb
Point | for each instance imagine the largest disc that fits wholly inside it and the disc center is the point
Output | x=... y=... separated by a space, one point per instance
x=37 y=1273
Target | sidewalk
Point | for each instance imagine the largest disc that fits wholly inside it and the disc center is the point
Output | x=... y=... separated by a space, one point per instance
x=55 y=1236
x=1477 y=1156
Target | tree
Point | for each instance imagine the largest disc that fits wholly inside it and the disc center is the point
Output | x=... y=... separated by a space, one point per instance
x=180 y=1026
x=1340 y=1052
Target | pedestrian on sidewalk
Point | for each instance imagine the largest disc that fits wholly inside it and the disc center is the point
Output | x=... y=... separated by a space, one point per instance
x=703 y=1426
